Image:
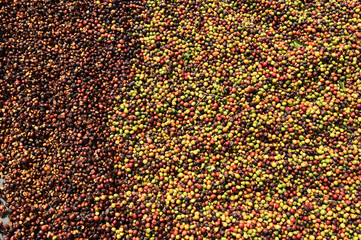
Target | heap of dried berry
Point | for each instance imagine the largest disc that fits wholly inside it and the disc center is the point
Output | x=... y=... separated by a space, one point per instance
x=182 y=119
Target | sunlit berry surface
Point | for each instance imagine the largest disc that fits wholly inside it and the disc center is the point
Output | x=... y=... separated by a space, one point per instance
x=180 y=119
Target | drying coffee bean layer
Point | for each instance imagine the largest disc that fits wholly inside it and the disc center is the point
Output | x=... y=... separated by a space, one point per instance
x=181 y=119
